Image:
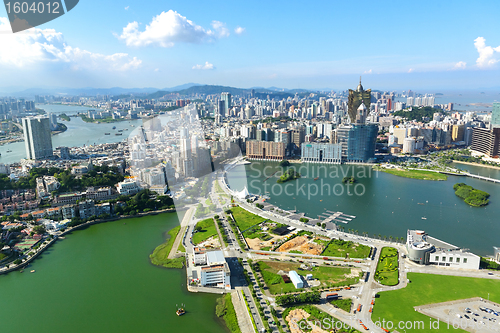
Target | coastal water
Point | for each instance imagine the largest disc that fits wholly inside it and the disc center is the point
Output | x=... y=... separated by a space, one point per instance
x=79 y=133
x=100 y=280
x=382 y=203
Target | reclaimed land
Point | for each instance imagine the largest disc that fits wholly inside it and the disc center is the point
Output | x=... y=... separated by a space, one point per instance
x=245 y=219
x=397 y=305
x=159 y=257
x=416 y=174
x=225 y=309
x=204 y=230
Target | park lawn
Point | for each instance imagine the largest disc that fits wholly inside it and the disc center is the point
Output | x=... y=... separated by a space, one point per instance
x=341 y=248
x=2 y=256
x=397 y=305
x=256 y=232
x=328 y=276
x=159 y=257
x=387 y=272
x=206 y=230
x=416 y=174
x=245 y=219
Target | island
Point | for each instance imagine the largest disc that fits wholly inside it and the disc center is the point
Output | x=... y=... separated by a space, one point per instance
x=289 y=174
x=470 y=195
x=350 y=180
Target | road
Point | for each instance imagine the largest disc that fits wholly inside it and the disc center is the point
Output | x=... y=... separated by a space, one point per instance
x=363 y=294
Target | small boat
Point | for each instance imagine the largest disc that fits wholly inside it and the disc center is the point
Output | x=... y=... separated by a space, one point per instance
x=107 y=133
x=32 y=271
x=9 y=151
x=421 y=203
x=424 y=218
x=120 y=130
x=180 y=311
x=114 y=127
x=316 y=178
x=118 y=134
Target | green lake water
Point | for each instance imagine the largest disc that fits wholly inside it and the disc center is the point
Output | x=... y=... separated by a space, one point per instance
x=382 y=203
x=100 y=280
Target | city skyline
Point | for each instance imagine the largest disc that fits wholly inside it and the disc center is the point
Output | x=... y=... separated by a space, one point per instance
x=320 y=46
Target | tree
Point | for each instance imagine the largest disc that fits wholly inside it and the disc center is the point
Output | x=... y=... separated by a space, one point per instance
x=39 y=229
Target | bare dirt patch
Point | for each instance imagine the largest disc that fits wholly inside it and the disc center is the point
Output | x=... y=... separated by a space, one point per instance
x=302 y=244
x=297 y=315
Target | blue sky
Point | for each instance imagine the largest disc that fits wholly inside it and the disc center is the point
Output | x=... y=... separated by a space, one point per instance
x=293 y=44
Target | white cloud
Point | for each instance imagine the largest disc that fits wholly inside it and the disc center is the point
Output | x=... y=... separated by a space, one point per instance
x=126 y=8
x=487 y=54
x=169 y=28
x=37 y=46
x=239 y=30
x=367 y=72
x=410 y=70
x=220 y=28
x=460 y=65
x=157 y=69
x=207 y=65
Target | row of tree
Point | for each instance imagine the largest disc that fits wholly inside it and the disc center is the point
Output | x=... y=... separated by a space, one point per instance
x=307 y=297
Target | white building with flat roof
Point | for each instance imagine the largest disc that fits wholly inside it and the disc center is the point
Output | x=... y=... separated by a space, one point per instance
x=296 y=279
x=211 y=268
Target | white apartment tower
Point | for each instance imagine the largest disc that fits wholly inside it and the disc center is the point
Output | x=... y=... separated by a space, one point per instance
x=37 y=137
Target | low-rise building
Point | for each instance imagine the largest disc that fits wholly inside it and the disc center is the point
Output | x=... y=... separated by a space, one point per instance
x=426 y=250
x=296 y=279
x=128 y=187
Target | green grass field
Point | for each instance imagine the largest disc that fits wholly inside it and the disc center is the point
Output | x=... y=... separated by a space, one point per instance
x=245 y=219
x=159 y=257
x=341 y=248
x=342 y=303
x=206 y=230
x=424 y=289
x=387 y=272
x=329 y=276
x=225 y=309
x=416 y=174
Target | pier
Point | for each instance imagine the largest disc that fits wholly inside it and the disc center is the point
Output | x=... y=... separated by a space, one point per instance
x=336 y=217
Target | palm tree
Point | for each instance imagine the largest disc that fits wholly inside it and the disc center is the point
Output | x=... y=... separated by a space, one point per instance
x=390 y=238
x=379 y=236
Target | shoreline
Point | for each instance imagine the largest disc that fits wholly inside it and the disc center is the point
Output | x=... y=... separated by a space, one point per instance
x=478 y=164
x=78 y=227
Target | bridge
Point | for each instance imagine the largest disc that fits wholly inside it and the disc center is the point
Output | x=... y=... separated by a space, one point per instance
x=483 y=178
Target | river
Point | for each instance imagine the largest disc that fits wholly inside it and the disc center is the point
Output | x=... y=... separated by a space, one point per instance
x=382 y=203
x=79 y=133
x=100 y=280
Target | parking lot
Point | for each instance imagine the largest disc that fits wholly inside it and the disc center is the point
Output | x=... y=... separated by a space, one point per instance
x=473 y=314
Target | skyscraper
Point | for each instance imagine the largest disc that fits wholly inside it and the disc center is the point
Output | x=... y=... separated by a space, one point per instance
x=226 y=97
x=495 y=115
x=37 y=137
x=356 y=97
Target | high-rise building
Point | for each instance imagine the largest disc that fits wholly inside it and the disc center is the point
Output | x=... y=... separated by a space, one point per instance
x=495 y=115
x=356 y=97
x=321 y=153
x=486 y=141
x=226 y=97
x=357 y=142
x=265 y=150
x=37 y=137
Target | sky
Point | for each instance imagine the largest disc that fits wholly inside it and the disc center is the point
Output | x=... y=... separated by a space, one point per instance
x=393 y=45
